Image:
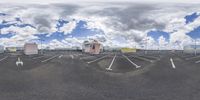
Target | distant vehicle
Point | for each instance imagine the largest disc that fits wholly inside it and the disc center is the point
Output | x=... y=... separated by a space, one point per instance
x=191 y=49
x=92 y=47
x=30 y=49
x=1 y=49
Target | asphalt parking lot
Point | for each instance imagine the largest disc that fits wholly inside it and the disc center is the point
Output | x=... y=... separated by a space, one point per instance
x=108 y=76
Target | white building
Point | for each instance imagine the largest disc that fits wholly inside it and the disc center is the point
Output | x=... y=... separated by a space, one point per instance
x=92 y=47
x=191 y=49
x=30 y=48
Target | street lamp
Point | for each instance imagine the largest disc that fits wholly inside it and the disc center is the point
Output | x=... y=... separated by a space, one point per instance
x=41 y=40
x=195 y=47
x=146 y=44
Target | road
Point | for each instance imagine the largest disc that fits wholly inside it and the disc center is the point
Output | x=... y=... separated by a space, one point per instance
x=74 y=79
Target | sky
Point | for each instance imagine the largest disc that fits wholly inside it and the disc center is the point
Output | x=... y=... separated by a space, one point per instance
x=74 y=1
x=64 y=24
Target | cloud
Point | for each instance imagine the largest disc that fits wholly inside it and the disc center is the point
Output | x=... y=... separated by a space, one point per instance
x=122 y=24
x=69 y=27
x=82 y=1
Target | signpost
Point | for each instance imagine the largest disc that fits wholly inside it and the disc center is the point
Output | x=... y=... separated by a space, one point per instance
x=146 y=45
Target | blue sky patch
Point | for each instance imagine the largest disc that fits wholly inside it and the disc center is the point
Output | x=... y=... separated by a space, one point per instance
x=195 y=34
x=6 y=25
x=82 y=31
x=3 y=14
x=9 y=35
x=79 y=31
x=191 y=18
x=18 y=19
x=61 y=23
x=156 y=34
x=56 y=35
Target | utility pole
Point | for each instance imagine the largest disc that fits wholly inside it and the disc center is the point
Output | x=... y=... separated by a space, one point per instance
x=41 y=46
x=39 y=42
x=146 y=46
x=158 y=48
x=195 y=52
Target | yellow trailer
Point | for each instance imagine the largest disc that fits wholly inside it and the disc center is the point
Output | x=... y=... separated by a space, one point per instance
x=11 y=49
x=128 y=50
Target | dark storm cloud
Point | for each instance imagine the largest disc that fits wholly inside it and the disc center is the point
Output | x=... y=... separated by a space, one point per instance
x=134 y=16
x=42 y=23
x=66 y=9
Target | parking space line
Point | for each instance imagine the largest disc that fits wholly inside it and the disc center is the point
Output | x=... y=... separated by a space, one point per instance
x=197 y=62
x=97 y=59
x=142 y=58
x=60 y=56
x=4 y=58
x=72 y=56
x=49 y=58
x=109 y=68
x=192 y=58
x=172 y=62
x=137 y=66
x=39 y=57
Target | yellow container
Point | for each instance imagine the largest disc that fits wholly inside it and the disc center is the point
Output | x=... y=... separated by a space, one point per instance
x=12 y=49
x=128 y=50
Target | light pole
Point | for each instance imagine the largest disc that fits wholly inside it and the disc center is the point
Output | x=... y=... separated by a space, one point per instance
x=195 y=47
x=41 y=45
x=146 y=46
x=159 y=48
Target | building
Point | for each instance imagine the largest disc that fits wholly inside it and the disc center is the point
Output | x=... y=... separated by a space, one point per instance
x=30 y=48
x=1 y=49
x=191 y=49
x=92 y=47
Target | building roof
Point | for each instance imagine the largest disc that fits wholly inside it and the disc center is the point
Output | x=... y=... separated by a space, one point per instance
x=91 y=42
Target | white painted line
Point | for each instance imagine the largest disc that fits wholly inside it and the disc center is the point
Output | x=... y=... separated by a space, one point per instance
x=60 y=56
x=172 y=62
x=197 y=62
x=39 y=57
x=49 y=58
x=4 y=58
x=142 y=58
x=131 y=62
x=97 y=59
x=109 y=68
x=192 y=57
x=72 y=56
